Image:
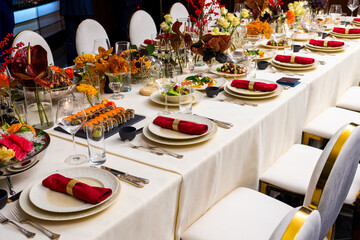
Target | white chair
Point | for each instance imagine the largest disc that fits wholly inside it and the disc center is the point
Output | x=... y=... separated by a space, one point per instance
x=350 y=100
x=178 y=10
x=327 y=123
x=33 y=38
x=291 y=174
x=247 y=214
x=141 y=27
x=86 y=33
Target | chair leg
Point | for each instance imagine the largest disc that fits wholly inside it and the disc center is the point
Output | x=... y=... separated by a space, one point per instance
x=331 y=233
x=356 y=220
x=308 y=136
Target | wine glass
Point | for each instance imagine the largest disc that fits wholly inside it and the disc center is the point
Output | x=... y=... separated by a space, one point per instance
x=115 y=82
x=352 y=5
x=278 y=34
x=70 y=116
x=335 y=12
x=253 y=39
x=101 y=42
x=238 y=8
x=165 y=84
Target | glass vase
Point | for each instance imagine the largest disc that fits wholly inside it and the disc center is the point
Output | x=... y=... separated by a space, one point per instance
x=39 y=112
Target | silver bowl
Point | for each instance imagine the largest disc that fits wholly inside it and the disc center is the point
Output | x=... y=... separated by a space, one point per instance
x=59 y=93
x=26 y=163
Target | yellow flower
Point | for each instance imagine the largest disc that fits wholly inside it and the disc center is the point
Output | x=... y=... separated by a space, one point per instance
x=87 y=89
x=164 y=26
x=223 y=11
x=230 y=17
x=104 y=101
x=168 y=18
x=235 y=22
x=216 y=31
x=244 y=13
x=85 y=58
x=223 y=22
x=6 y=154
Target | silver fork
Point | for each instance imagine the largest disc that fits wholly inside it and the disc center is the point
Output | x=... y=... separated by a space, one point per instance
x=22 y=219
x=27 y=233
x=176 y=155
x=143 y=147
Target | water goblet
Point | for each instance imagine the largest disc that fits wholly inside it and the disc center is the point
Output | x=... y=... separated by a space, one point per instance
x=165 y=84
x=335 y=12
x=115 y=82
x=70 y=116
x=253 y=39
x=352 y=5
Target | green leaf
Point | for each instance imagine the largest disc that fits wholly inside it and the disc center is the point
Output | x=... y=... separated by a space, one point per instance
x=5 y=126
x=133 y=47
x=150 y=48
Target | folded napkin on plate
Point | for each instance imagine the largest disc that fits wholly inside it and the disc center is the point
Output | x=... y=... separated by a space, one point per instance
x=260 y=86
x=181 y=126
x=347 y=30
x=80 y=190
x=292 y=82
x=296 y=59
x=326 y=43
x=149 y=41
x=357 y=19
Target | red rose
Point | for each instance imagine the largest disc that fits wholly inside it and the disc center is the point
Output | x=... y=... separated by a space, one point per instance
x=69 y=72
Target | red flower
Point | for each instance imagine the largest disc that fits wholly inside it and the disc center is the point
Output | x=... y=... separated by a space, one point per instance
x=20 y=145
x=69 y=72
x=4 y=81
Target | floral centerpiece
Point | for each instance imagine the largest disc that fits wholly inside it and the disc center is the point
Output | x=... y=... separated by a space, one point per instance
x=298 y=9
x=166 y=25
x=89 y=91
x=258 y=27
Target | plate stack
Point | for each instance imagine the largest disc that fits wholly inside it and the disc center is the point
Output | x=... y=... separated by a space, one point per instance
x=251 y=94
x=166 y=136
x=324 y=49
x=356 y=23
x=294 y=66
x=344 y=35
x=43 y=203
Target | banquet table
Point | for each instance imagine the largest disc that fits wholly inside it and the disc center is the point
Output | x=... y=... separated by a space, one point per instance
x=181 y=190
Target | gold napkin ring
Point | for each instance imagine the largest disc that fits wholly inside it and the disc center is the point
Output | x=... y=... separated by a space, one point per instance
x=325 y=43
x=347 y=31
x=251 y=85
x=292 y=59
x=70 y=185
x=175 y=124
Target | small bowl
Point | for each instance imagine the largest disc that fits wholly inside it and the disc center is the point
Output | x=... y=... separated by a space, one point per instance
x=129 y=133
x=175 y=99
x=3 y=198
x=262 y=65
x=212 y=91
x=296 y=48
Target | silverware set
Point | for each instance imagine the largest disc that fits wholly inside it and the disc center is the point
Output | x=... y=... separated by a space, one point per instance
x=126 y=177
x=21 y=218
x=165 y=151
x=157 y=152
x=238 y=101
x=219 y=123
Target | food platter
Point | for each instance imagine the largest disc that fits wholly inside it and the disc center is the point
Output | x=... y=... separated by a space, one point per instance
x=213 y=70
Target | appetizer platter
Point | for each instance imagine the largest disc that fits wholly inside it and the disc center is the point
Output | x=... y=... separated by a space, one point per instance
x=201 y=82
x=229 y=70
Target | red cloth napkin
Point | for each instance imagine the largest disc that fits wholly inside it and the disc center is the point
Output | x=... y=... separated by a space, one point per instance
x=329 y=43
x=351 y=31
x=357 y=19
x=80 y=190
x=260 y=86
x=183 y=126
x=300 y=60
x=149 y=41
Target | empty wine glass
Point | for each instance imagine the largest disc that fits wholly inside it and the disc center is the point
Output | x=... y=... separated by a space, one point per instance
x=115 y=82
x=70 y=116
x=335 y=12
x=278 y=34
x=165 y=84
x=352 y=5
x=101 y=42
x=253 y=39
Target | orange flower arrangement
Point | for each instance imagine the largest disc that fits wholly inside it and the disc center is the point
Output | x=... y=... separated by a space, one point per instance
x=135 y=58
x=258 y=27
x=290 y=17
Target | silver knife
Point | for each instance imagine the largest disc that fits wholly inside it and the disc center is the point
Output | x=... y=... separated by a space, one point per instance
x=217 y=121
x=138 y=179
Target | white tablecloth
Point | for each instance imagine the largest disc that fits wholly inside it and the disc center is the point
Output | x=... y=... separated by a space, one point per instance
x=210 y=170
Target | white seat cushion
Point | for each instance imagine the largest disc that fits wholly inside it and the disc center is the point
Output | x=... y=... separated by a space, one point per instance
x=328 y=122
x=292 y=171
x=350 y=100
x=243 y=214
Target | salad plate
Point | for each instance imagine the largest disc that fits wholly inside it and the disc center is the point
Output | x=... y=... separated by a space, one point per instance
x=200 y=83
x=214 y=69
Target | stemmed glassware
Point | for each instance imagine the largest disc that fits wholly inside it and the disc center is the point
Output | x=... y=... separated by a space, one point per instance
x=65 y=117
x=115 y=82
x=253 y=39
x=165 y=84
x=335 y=12
x=278 y=34
x=352 y=5
x=101 y=42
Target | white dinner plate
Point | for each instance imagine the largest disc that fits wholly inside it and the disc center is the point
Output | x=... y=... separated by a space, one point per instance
x=248 y=92
x=219 y=81
x=341 y=35
x=213 y=70
x=32 y=210
x=268 y=56
x=293 y=65
x=325 y=48
x=156 y=98
x=305 y=68
x=175 y=142
x=171 y=134
x=311 y=47
x=53 y=201
x=278 y=90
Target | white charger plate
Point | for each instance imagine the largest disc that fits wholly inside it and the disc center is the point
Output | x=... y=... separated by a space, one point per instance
x=53 y=201
x=341 y=35
x=310 y=47
x=293 y=65
x=174 y=142
x=324 y=48
x=156 y=98
x=171 y=134
x=278 y=90
x=251 y=92
x=305 y=68
x=30 y=209
x=213 y=70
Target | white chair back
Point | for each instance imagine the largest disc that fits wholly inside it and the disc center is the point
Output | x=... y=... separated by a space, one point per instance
x=333 y=175
x=178 y=10
x=141 y=27
x=86 y=33
x=33 y=38
x=309 y=229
